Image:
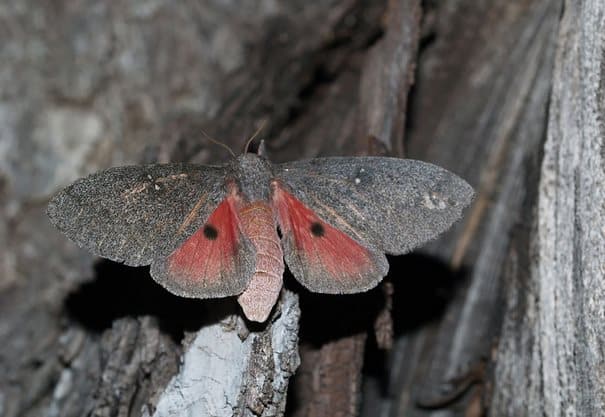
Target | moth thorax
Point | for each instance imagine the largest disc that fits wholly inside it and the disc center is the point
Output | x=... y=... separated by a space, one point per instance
x=258 y=224
x=253 y=175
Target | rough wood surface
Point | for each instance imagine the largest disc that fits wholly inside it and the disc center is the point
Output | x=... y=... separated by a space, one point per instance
x=479 y=108
x=551 y=351
x=329 y=380
x=225 y=373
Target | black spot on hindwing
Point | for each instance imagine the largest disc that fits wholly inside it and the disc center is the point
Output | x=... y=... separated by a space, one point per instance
x=210 y=232
x=317 y=229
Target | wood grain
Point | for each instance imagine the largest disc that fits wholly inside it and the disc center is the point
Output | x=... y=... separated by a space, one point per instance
x=550 y=353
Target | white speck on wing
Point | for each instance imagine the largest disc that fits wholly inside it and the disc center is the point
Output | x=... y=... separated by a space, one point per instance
x=434 y=201
x=149 y=177
x=357 y=180
x=157 y=187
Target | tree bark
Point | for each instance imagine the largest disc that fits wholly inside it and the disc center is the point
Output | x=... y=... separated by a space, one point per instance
x=225 y=373
x=550 y=355
x=479 y=108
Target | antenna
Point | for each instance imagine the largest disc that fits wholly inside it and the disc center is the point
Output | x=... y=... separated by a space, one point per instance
x=249 y=141
x=216 y=142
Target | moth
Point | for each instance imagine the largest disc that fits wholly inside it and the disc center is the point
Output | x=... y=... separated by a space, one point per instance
x=218 y=231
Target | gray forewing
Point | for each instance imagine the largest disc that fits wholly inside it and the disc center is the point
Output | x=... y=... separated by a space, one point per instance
x=135 y=214
x=392 y=204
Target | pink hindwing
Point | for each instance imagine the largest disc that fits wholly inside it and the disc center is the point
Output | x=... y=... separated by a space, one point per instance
x=321 y=257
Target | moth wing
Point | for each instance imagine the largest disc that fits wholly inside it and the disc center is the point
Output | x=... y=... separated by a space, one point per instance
x=386 y=205
x=322 y=257
x=140 y=215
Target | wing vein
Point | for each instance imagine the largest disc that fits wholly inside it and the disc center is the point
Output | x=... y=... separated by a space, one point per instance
x=192 y=214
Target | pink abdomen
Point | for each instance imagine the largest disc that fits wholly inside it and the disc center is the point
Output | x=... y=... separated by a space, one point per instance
x=258 y=223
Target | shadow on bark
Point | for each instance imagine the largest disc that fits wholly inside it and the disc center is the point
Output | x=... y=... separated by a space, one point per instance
x=119 y=291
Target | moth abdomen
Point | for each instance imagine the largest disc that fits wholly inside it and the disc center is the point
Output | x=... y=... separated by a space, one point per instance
x=258 y=222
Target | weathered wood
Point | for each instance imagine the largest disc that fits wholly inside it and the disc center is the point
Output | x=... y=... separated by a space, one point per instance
x=329 y=379
x=479 y=108
x=551 y=351
x=387 y=76
x=223 y=375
